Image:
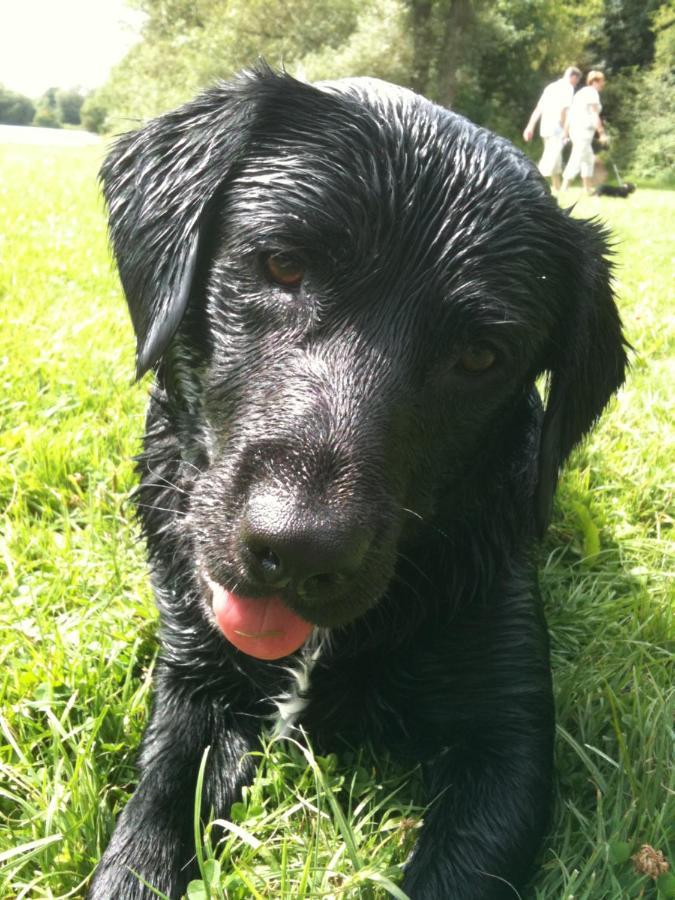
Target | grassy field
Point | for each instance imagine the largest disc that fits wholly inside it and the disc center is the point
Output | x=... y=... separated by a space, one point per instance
x=77 y=622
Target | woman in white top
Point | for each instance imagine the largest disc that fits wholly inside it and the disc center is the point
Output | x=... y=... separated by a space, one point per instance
x=582 y=123
x=551 y=112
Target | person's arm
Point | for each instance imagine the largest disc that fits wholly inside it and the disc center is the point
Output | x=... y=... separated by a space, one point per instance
x=566 y=129
x=597 y=121
x=565 y=124
x=534 y=118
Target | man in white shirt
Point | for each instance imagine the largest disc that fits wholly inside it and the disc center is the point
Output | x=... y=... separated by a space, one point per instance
x=583 y=121
x=552 y=109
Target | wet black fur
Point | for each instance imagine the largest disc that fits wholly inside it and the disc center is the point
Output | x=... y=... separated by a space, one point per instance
x=344 y=402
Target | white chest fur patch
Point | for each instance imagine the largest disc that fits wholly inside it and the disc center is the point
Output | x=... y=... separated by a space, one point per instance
x=293 y=701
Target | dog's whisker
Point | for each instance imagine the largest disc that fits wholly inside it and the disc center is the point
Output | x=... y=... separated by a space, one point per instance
x=421 y=518
x=177 y=513
x=166 y=481
x=411 y=587
x=174 y=461
x=416 y=567
x=412 y=512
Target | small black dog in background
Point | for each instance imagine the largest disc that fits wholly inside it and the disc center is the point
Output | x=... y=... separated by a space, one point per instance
x=615 y=190
x=346 y=294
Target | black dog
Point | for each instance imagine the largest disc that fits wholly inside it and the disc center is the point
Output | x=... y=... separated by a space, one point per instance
x=615 y=190
x=347 y=293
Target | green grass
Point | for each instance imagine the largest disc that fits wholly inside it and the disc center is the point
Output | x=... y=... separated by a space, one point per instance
x=77 y=622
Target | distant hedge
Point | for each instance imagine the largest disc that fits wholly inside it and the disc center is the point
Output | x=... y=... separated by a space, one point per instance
x=15 y=109
x=56 y=107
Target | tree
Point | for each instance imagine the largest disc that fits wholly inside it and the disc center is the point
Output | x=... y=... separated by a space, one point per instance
x=15 y=109
x=637 y=101
x=378 y=46
x=69 y=104
x=623 y=37
x=654 y=138
x=187 y=45
x=49 y=100
x=46 y=117
x=441 y=32
x=93 y=113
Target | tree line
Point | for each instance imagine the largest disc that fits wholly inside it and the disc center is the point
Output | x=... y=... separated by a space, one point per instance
x=54 y=109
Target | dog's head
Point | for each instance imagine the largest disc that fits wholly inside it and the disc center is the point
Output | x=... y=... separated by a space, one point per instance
x=347 y=293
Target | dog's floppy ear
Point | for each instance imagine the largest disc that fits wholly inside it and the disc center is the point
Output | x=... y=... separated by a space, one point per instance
x=158 y=183
x=587 y=360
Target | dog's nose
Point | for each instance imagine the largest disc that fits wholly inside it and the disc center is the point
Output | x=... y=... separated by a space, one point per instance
x=313 y=552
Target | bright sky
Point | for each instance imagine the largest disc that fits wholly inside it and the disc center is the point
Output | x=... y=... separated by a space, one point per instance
x=62 y=43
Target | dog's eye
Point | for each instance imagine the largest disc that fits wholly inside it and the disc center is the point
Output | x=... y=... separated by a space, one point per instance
x=477 y=358
x=284 y=269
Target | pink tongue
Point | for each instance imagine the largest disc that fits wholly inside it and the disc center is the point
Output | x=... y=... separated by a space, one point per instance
x=263 y=628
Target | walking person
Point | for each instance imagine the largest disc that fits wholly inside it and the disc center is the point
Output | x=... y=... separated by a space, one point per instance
x=583 y=123
x=552 y=109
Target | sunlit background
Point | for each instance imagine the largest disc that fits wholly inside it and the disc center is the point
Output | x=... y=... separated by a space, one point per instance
x=106 y=65
x=63 y=43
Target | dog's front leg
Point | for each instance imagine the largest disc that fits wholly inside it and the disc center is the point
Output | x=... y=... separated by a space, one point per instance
x=153 y=837
x=489 y=787
x=488 y=814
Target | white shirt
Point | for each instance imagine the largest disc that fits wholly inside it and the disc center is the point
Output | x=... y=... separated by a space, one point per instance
x=582 y=117
x=556 y=97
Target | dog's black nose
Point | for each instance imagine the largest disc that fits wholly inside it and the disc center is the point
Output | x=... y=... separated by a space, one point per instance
x=311 y=551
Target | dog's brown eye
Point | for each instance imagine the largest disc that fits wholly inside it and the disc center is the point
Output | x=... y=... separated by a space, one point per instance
x=477 y=358
x=284 y=269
